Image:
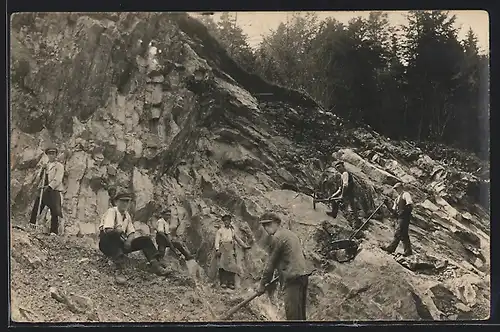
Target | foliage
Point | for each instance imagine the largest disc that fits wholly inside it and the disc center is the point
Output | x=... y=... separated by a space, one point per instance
x=417 y=81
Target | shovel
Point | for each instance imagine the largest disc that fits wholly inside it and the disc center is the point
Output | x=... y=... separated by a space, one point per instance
x=349 y=243
x=245 y=302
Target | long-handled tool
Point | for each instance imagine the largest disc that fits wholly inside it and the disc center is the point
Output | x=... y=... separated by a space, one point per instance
x=39 y=210
x=349 y=243
x=245 y=302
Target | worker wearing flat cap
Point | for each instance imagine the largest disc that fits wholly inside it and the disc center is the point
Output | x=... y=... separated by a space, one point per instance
x=166 y=234
x=288 y=257
x=51 y=175
x=402 y=208
x=117 y=235
x=225 y=249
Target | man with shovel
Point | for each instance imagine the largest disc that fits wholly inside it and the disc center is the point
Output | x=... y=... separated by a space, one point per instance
x=288 y=257
x=117 y=236
x=225 y=250
x=346 y=192
x=51 y=176
x=166 y=235
x=402 y=208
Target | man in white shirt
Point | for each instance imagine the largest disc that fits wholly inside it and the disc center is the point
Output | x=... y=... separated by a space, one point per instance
x=346 y=192
x=117 y=235
x=402 y=208
x=166 y=235
x=225 y=239
x=52 y=173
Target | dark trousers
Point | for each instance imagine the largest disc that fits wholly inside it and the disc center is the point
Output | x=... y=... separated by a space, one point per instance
x=350 y=200
x=52 y=199
x=162 y=240
x=226 y=278
x=296 y=298
x=112 y=245
x=401 y=234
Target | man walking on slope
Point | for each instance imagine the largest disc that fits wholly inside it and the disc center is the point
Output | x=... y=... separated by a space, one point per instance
x=166 y=235
x=225 y=239
x=346 y=192
x=52 y=176
x=402 y=208
x=117 y=235
x=288 y=257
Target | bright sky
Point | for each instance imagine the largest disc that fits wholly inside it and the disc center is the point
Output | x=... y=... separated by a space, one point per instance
x=257 y=24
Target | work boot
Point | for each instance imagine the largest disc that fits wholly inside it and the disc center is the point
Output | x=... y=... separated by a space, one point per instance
x=157 y=268
x=384 y=248
x=331 y=214
x=161 y=253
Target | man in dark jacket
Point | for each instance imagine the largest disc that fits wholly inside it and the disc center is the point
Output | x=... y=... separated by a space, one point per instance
x=288 y=257
x=117 y=235
x=402 y=208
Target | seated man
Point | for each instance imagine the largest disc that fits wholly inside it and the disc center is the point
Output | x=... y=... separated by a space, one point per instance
x=166 y=235
x=117 y=235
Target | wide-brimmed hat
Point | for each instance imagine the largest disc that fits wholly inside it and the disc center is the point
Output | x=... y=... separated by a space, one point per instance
x=269 y=217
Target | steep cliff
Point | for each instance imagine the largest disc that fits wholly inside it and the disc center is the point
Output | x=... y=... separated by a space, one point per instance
x=151 y=102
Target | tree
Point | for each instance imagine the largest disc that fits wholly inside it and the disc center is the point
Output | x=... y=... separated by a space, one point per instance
x=231 y=36
x=434 y=55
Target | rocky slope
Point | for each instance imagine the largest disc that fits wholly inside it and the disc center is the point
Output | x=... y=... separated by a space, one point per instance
x=152 y=103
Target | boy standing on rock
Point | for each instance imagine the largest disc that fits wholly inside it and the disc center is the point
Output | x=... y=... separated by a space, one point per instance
x=288 y=257
x=402 y=208
x=166 y=235
x=117 y=235
x=52 y=173
x=225 y=239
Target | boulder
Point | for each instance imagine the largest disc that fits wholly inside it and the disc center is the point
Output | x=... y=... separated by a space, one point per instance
x=143 y=189
x=375 y=173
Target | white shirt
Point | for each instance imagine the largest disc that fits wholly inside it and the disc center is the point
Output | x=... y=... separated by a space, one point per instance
x=345 y=179
x=223 y=235
x=55 y=174
x=404 y=196
x=165 y=226
x=112 y=218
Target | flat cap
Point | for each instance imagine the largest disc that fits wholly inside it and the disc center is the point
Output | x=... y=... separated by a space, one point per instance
x=397 y=185
x=124 y=196
x=269 y=217
x=51 y=148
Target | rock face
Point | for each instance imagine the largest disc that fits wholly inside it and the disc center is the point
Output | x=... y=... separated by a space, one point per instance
x=174 y=119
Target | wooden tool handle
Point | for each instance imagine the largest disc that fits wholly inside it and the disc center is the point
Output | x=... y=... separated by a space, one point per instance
x=245 y=302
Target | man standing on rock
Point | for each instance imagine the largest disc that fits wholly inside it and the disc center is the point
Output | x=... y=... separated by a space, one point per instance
x=346 y=191
x=166 y=235
x=52 y=173
x=288 y=257
x=225 y=249
x=117 y=235
x=402 y=208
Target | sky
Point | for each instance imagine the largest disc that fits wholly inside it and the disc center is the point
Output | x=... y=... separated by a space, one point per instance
x=257 y=24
